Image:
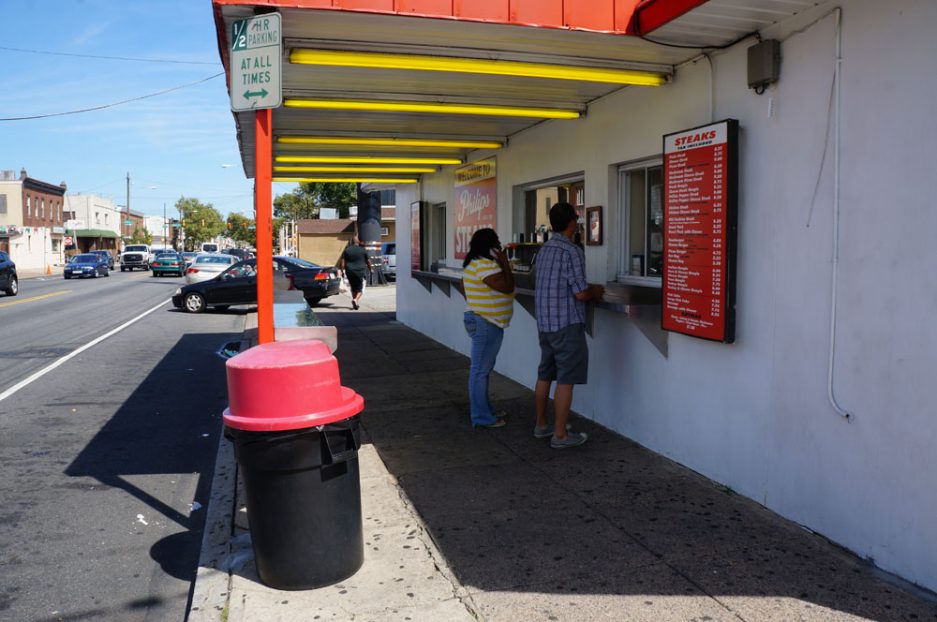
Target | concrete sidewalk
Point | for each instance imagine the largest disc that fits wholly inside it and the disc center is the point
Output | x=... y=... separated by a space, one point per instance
x=494 y=525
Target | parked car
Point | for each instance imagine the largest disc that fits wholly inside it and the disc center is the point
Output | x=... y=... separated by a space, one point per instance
x=315 y=281
x=238 y=285
x=189 y=256
x=86 y=264
x=207 y=266
x=240 y=253
x=9 y=282
x=389 y=259
x=168 y=263
x=107 y=255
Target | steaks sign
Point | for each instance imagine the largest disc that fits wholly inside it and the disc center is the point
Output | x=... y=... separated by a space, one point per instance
x=700 y=230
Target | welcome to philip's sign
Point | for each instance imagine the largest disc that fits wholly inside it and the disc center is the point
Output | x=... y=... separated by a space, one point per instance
x=476 y=194
x=255 y=81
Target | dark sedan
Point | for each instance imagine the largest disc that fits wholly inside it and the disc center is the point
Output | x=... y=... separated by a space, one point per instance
x=86 y=264
x=107 y=255
x=8 y=280
x=315 y=281
x=238 y=285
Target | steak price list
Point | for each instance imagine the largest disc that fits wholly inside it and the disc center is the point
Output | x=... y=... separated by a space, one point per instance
x=696 y=226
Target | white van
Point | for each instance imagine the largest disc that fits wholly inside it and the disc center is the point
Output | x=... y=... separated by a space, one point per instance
x=209 y=247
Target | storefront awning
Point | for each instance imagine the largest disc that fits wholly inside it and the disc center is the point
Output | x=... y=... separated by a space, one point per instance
x=93 y=233
x=365 y=80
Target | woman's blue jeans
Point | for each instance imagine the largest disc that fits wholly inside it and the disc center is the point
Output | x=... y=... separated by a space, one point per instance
x=486 y=341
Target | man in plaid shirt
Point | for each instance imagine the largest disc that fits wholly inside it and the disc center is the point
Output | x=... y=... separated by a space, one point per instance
x=561 y=295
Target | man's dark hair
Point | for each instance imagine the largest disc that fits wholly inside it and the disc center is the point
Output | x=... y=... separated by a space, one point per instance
x=561 y=215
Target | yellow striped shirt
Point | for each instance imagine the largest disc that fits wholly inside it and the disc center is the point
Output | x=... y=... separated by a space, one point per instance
x=494 y=306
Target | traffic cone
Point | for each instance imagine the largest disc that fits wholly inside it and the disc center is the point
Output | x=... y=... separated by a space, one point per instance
x=48 y=269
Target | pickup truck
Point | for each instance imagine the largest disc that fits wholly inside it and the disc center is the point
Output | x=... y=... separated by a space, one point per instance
x=389 y=259
x=135 y=256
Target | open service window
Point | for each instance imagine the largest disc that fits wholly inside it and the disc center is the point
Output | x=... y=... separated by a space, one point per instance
x=640 y=191
x=532 y=203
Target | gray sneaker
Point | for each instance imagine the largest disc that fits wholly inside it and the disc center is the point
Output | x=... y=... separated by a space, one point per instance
x=546 y=431
x=573 y=439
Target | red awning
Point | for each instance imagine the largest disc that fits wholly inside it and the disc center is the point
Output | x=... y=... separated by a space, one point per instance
x=612 y=16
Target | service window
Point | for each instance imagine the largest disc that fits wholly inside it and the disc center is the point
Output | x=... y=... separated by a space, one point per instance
x=533 y=202
x=641 y=192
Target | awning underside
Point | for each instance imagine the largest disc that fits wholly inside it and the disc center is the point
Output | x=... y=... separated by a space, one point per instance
x=714 y=23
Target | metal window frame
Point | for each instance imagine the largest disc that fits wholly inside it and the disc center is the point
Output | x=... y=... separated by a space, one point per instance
x=624 y=208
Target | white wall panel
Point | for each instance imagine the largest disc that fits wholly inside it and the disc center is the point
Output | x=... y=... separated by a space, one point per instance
x=754 y=415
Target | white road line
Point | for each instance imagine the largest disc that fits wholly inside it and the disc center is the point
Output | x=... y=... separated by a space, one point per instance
x=42 y=372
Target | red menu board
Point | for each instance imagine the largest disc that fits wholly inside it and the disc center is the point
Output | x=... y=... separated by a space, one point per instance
x=700 y=224
x=476 y=196
x=416 y=258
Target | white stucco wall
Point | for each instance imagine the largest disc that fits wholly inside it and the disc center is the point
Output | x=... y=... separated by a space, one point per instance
x=754 y=415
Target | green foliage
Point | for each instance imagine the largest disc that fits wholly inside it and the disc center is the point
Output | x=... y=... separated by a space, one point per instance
x=241 y=229
x=141 y=236
x=201 y=222
x=306 y=200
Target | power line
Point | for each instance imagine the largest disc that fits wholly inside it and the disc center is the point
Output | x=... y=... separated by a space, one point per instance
x=128 y=58
x=125 y=101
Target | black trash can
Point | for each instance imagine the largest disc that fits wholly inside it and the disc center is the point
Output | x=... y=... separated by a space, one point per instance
x=303 y=497
x=296 y=437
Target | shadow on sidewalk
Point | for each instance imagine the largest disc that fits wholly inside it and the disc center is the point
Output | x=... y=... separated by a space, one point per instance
x=610 y=518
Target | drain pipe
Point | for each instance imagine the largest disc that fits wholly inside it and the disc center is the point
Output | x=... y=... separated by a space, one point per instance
x=837 y=75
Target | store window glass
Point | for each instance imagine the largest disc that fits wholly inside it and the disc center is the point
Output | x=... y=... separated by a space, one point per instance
x=29 y=207
x=641 y=194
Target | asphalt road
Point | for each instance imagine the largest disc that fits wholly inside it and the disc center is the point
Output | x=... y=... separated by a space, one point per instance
x=103 y=457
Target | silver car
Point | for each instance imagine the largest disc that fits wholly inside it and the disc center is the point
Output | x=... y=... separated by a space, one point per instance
x=207 y=266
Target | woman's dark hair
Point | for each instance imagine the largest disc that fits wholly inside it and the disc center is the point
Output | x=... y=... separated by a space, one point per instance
x=481 y=244
x=561 y=215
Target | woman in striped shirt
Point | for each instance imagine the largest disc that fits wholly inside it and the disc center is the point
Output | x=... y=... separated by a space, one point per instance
x=489 y=297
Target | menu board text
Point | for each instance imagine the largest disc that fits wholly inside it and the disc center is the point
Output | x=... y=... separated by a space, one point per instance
x=700 y=219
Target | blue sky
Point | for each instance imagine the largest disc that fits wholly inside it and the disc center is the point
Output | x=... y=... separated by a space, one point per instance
x=177 y=144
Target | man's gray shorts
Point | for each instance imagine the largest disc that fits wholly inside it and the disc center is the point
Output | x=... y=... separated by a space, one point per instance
x=564 y=356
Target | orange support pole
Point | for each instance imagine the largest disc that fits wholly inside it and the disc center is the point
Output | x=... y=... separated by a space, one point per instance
x=263 y=209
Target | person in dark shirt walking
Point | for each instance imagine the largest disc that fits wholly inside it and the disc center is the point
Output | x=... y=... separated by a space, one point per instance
x=560 y=296
x=356 y=266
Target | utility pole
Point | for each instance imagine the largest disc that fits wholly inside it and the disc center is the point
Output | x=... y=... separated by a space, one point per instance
x=165 y=226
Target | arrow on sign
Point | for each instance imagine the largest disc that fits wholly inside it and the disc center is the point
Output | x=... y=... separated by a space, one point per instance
x=260 y=93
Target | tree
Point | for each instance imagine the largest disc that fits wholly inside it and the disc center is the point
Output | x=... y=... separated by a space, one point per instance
x=242 y=229
x=201 y=222
x=306 y=200
x=141 y=236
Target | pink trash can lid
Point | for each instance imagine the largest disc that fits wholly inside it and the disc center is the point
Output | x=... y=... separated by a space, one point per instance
x=287 y=385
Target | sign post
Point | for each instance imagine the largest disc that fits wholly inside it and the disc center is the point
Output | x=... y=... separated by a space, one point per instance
x=255 y=76
x=255 y=84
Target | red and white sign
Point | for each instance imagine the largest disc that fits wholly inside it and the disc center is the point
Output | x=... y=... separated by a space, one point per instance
x=415 y=257
x=68 y=240
x=476 y=194
x=700 y=214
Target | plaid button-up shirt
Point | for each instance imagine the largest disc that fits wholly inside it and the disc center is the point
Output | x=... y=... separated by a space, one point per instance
x=561 y=274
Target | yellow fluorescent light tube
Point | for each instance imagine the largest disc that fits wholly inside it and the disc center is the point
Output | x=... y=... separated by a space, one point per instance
x=394 y=106
x=364 y=160
x=354 y=169
x=376 y=60
x=342 y=180
x=389 y=142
